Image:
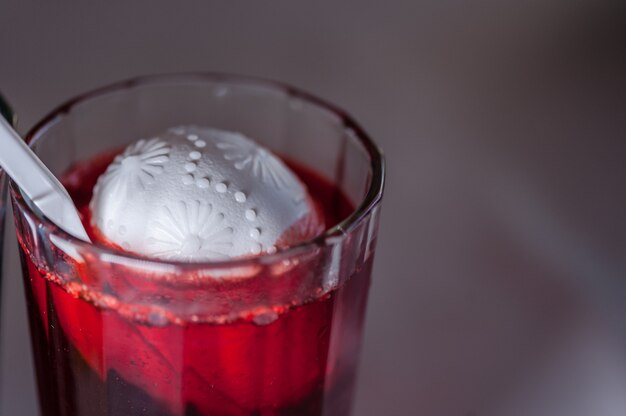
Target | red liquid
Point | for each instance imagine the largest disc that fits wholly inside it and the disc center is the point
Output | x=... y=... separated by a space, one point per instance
x=98 y=358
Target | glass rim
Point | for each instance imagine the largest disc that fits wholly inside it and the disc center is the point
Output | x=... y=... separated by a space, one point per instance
x=330 y=236
x=7 y=112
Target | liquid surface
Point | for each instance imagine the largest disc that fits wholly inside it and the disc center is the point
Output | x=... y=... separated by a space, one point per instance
x=80 y=180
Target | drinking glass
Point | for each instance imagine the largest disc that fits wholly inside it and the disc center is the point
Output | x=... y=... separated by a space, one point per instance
x=118 y=334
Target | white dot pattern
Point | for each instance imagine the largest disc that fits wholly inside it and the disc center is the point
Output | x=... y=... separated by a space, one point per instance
x=256 y=248
x=250 y=214
x=187 y=179
x=240 y=197
x=221 y=187
x=190 y=167
x=203 y=183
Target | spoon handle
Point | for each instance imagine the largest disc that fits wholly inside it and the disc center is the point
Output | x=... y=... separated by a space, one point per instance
x=37 y=182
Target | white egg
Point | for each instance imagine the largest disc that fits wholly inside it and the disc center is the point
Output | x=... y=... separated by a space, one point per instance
x=201 y=194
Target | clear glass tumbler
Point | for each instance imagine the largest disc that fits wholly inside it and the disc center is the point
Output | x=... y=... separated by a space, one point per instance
x=118 y=334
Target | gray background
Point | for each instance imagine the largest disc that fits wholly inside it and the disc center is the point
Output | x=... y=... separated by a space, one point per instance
x=503 y=238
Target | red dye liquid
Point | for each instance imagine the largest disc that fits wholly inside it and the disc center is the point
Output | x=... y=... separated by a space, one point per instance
x=97 y=357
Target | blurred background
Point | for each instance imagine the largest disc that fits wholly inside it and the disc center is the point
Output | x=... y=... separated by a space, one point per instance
x=499 y=281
